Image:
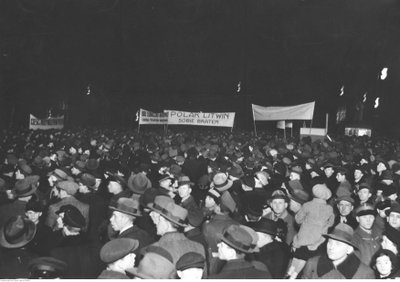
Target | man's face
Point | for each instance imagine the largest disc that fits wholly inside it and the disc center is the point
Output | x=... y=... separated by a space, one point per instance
x=328 y=171
x=358 y=174
x=364 y=195
x=389 y=245
x=209 y=202
x=184 y=191
x=340 y=177
x=278 y=206
x=366 y=221
x=117 y=221
x=19 y=175
x=75 y=171
x=159 y=222
x=33 y=215
x=394 y=220
x=345 y=208
x=224 y=251
x=52 y=180
x=337 y=250
x=381 y=167
x=60 y=221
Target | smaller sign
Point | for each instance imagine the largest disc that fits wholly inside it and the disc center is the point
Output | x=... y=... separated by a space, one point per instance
x=47 y=123
x=148 y=117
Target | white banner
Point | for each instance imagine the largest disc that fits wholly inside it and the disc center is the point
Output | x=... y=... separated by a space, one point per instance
x=200 y=118
x=147 y=117
x=47 y=123
x=298 y=112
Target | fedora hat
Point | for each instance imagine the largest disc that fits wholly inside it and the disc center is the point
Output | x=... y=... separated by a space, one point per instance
x=343 y=233
x=221 y=182
x=184 y=180
x=88 y=180
x=59 y=173
x=238 y=238
x=17 y=232
x=128 y=206
x=23 y=188
x=138 y=183
x=165 y=206
x=156 y=264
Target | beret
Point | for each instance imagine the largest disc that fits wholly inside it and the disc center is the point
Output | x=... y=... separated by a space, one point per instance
x=117 y=249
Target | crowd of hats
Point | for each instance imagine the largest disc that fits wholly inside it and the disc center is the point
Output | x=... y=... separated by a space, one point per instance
x=266 y=158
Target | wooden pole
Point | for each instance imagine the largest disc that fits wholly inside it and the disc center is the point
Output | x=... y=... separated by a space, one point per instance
x=254 y=122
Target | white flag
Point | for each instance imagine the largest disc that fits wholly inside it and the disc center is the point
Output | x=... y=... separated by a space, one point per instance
x=280 y=124
x=289 y=124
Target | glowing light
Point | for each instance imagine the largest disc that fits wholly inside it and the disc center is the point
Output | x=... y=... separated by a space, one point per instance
x=137 y=116
x=376 y=103
x=342 y=91
x=239 y=87
x=365 y=97
x=384 y=73
x=88 y=89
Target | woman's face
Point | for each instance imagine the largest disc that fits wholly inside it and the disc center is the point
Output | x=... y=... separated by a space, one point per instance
x=383 y=265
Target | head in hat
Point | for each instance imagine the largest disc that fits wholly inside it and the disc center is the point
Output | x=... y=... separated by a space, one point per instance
x=391 y=239
x=46 y=268
x=235 y=242
x=393 y=216
x=116 y=184
x=87 y=183
x=365 y=215
x=266 y=230
x=166 y=215
x=119 y=254
x=138 y=183
x=297 y=198
x=34 y=210
x=261 y=178
x=56 y=176
x=66 y=189
x=157 y=263
x=279 y=201
x=70 y=220
x=235 y=172
x=17 y=232
x=124 y=213
x=190 y=266
x=78 y=167
x=345 y=205
x=184 y=187
x=321 y=191
x=340 y=243
x=329 y=169
x=382 y=207
x=221 y=182
x=24 y=189
x=167 y=181
x=364 y=192
x=295 y=172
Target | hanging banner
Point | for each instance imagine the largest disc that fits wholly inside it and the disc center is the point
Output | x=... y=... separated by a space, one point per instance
x=200 y=118
x=148 y=117
x=47 y=123
x=298 y=112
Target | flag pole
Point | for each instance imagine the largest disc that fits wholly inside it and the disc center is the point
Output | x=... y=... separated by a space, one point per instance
x=326 y=122
x=254 y=121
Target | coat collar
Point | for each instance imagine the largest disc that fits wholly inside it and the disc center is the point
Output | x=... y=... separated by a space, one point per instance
x=347 y=268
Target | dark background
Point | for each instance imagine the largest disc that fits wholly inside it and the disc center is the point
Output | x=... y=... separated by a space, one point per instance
x=191 y=54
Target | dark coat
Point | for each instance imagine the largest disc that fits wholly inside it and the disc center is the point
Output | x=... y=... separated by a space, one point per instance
x=8 y=210
x=14 y=263
x=213 y=229
x=241 y=269
x=321 y=267
x=275 y=256
x=82 y=258
x=136 y=233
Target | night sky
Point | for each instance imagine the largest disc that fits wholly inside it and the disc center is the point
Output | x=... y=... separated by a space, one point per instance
x=191 y=55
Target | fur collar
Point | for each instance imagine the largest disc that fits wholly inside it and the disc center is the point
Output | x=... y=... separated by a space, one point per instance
x=347 y=268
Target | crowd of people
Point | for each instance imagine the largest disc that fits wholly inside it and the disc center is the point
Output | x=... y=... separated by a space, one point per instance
x=197 y=204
